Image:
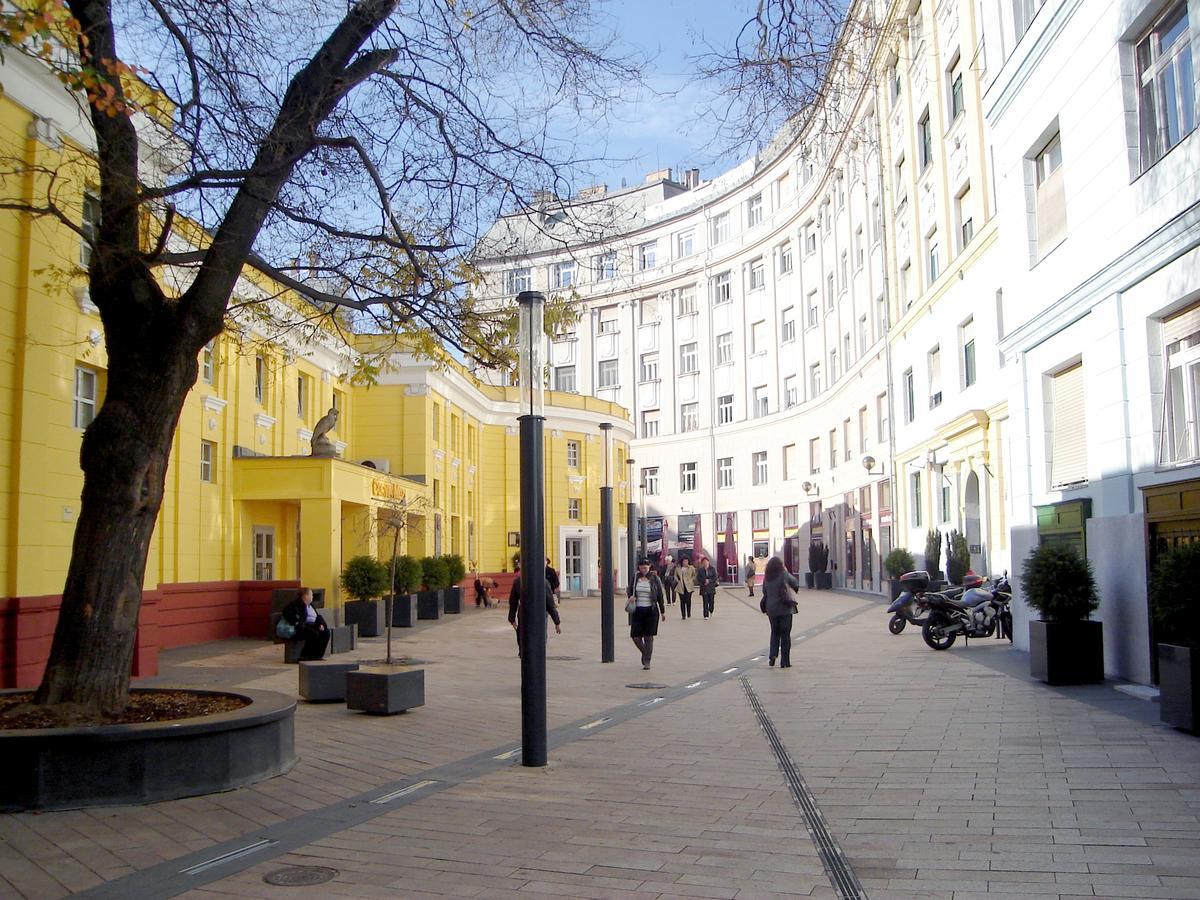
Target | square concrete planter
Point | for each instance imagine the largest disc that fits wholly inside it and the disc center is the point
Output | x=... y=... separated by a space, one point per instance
x=324 y=680
x=452 y=601
x=343 y=638
x=385 y=690
x=1066 y=652
x=808 y=580
x=824 y=580
x=430 y=605
x=292 y=651
x=404 y=610
x=1179 y=686
x=368 y=615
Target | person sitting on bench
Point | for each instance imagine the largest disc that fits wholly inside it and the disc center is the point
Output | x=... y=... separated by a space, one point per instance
x=309 y=625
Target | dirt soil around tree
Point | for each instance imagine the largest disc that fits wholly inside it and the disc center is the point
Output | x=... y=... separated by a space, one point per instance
x=17 y=711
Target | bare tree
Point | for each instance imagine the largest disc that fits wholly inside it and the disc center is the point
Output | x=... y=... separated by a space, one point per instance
x=346 y=150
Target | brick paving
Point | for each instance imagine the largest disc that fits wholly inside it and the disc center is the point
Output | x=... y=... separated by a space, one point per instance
x=939 y=774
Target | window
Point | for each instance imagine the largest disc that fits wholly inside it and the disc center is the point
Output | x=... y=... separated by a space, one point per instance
x=1051 y=196
x=945 y=504
x=207 y=453
x=649 y=310
x=914 y=490
x=645 y=255
x=758 y=275
x=302 y=397
x=894 y=84
x=864 y=335
x=833 y=369
x=787 y=325
x=759 y=460
x=608 y=320
x=573 y=454
x=876 y=221
x=339 y=403
x=833 y=449
x=689 y=417
x=813 y=310
x=935 y=377
x=846 y=440
x=754 y=211
x=687 y=301
x=810 y=239
x=725 y=409
x=650 y=480
x=721 y=288
x=650 y=424
x=814 y=456
x=901 y=186
x=862 y=430
x=905 y=292
x=437 y=423
x=791 y=393
x=1068 y=428
x=260 y=380
x=1181 y=338
x=687 y=477
x=881 y=418
x=762 y=403
x=791 y=516
x=934 y=256
x=724 y=352
x=573 y=509
x=685 y=243
x=725 y=472
x=564 y=379
x=785 y=259
x=829 y=291
x=89 y=224
x=860 y=254
x=844 y=270
x=562 y=275
x=814 y=380
x=847 y=350
x=719 y=228
x=1023 y=13
x=964 y=216
x=790 y=467
x=758 y=337
x=606 y=266
x=966 y=338
x=957 y=104
x=208 y=362
x=85 y=396
x=841 y=191
x=1166 y=85
x=517 y=280
x=609 y=374
x=689 y=359
x=759 y=520
x=648 y=371
x=910 y=398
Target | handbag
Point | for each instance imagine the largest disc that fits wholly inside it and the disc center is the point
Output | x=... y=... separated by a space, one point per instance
x=285 y=629
x=630 y=605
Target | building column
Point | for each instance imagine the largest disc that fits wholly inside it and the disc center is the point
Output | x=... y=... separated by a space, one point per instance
x=321 y=546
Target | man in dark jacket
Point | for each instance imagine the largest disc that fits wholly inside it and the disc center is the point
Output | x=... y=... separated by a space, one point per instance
x=706 y=581
x=514 y=609
x=552 y=580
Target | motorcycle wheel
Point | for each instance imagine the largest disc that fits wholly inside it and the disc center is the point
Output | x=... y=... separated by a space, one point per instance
x=897 y=623
x=937 y=640
x=1006 y=626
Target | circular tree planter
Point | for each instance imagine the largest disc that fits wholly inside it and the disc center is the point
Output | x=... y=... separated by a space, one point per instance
x=67 y=768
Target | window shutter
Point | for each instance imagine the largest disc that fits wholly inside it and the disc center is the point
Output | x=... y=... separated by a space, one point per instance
x=1181 y=325
x=1068 y=461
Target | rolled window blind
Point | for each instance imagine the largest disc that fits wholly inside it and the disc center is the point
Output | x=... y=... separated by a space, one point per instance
x=1068 y=462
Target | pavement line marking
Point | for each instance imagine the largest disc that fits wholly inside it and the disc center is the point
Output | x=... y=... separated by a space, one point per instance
x=227 y=857
x=595 y=723
x=695 y=684
x=507 y=754
x=727 y=671
x=755 y=658
x=411 y=789
x=652 y=702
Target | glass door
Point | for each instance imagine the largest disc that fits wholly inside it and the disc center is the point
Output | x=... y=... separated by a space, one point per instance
x=573 y=566
x=264 y=553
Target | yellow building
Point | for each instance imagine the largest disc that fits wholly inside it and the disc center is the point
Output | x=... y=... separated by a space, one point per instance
x=245 y=500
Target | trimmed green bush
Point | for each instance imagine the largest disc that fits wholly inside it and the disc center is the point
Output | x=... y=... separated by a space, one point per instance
x=933 y=553
x=456 y=569
x=365 y=577
x=408 y=574
x=818 y=557
x=1058 y=583
x=433 y=573
x=958 y=558
x=898 y=562
x=1173 y=585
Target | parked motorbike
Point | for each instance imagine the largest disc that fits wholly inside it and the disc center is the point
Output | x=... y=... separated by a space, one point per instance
x=909 y=606
x=981 y=612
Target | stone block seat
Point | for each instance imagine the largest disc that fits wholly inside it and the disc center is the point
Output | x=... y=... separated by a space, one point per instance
x=385 y=690
x=342 y=638
x=324 y=679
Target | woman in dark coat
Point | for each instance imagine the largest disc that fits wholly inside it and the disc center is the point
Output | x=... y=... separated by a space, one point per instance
x=779 y=602
x=309 y=625
x=646 y=593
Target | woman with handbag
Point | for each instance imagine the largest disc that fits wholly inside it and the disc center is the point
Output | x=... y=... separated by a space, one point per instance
x=645 y=607
x=687 y=586
x=779 y=603
x=307 y=625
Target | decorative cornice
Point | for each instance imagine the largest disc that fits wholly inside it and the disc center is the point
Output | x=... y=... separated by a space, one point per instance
x=216 y=404
x=262 y=420
x=304 y=434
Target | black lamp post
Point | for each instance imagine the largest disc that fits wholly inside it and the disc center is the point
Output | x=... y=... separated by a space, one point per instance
x=607 y=641
x=632 y=521
x=530 y=306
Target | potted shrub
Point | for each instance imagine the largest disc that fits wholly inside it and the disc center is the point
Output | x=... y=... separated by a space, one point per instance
x=1065 y=646
x=896 y=564
x=1177 y=635
x=365 y=579
x=456 y=571
x=933 y=558
x=958 y=557
x=814 y=556
x=822 y=578
x=404 y=602
x=430 y=600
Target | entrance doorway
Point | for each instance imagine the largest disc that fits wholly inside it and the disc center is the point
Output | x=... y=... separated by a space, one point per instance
x=971 y=522
x=573 y=566
x=264 y=553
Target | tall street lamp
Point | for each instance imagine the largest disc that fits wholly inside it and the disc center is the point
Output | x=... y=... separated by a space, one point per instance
x=631 y=513
x=530 y=337
x=607 y=642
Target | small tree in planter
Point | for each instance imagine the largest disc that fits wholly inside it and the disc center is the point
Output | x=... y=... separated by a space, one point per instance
x=456 y=571
x=1065 y=647
x=408 y=574
x=958 y=557
x=1177 y=635
x=933 y=556
x=896 y=564
x=819 y=561
x=430 y=601
x=814 y=561
x=364 y=578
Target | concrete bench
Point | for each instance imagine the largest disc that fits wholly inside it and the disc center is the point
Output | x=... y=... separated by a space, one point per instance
x=342 y=638
x=292 y=651
x=324 y=680
x=385 y=690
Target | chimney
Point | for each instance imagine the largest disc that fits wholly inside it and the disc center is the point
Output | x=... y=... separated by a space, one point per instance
x=543 y=198
x=691 y=179
x=660 y=175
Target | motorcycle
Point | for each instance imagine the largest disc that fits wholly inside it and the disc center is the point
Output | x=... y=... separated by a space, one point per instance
x=981 y=612
x=909 y=606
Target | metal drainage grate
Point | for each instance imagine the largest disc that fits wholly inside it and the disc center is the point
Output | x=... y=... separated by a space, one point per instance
x=647 y=686
x=564 y=658
x=300 y=876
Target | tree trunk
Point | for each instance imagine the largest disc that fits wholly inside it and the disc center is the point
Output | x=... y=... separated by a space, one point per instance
x=124 y=459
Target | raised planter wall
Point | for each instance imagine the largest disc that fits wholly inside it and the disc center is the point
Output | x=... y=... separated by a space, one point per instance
x=1066 y=652
x=1179 y=686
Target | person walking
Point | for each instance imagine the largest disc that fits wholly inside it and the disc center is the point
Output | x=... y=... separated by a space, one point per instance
x=748 y=573
x=687 y=586
x=552 y=580
x=670 y=578
x=515 y=608
x=646 y=594
x=779 y=603
x=706 y=580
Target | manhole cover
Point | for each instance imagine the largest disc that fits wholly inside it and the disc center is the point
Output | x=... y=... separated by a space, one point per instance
x=564 y=658
x=300 y=876
x=647 y=686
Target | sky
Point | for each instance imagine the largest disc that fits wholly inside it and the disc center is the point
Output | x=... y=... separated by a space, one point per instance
x=664 y=127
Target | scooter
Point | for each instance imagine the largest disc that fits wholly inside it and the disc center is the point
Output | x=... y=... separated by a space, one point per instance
x=981 y=612
x=908 y=607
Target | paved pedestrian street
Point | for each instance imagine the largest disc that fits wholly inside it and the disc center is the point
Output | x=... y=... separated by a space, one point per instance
x=874 y=767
